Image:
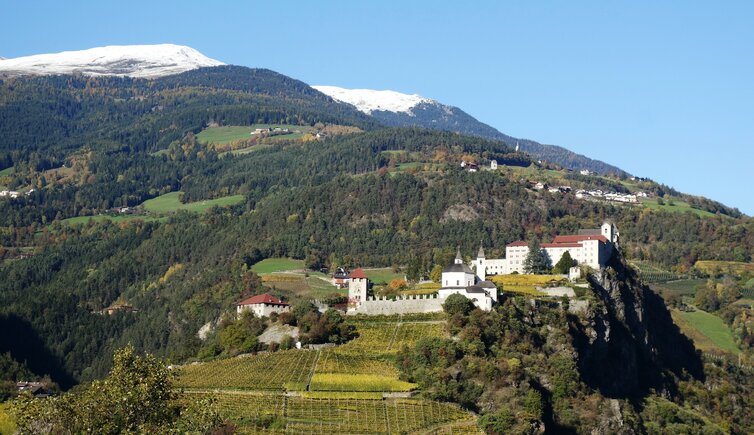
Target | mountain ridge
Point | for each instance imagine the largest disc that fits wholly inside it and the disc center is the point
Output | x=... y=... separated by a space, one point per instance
x=145 y=61
x=389 y=107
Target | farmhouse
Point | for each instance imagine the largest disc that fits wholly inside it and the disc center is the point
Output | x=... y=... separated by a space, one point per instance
x=340 y=278
x=262 y=305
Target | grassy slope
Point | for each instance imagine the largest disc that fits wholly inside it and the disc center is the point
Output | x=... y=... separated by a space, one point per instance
x=708 y=331
x=384 y=274
x=684 y=287
x=170 y=202
x=271 y=265
x=677 y=207
x=232 y=133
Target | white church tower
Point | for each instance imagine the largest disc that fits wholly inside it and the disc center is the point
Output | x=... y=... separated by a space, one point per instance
x=610 y=232
x=481 y=264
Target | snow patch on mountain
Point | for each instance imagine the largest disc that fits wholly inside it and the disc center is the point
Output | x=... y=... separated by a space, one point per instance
x=147 y=61
x=369 y=100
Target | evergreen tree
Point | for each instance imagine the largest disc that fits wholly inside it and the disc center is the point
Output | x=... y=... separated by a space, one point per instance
x=536 y=261
x=563 y=265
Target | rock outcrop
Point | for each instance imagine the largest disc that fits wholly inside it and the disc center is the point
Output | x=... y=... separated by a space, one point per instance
x=627 y=341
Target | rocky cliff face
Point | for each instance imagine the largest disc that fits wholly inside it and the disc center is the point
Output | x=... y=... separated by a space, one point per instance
x=627 y=341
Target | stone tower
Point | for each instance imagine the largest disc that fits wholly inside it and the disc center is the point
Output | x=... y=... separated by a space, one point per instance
x=357 y=287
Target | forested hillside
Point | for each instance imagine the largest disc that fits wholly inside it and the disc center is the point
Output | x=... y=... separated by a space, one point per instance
x=372 y=196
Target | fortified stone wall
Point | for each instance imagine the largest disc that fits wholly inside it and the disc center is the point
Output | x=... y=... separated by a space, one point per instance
x=401 y=305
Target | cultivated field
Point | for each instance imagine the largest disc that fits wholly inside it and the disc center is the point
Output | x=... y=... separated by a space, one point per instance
x=339 y=390
x=524 y=284
x=276 y=413
x=282 y=370
x=170 y=202
x=652 y=273
x=724 y=267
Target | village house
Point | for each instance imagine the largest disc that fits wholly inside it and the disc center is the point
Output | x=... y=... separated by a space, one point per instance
x=340 y=278
x=118 y=307
x=493 y=164
x=262 y=305
x=37 y=389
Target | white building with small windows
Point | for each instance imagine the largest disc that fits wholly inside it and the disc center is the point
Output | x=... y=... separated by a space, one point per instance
x=590 y=247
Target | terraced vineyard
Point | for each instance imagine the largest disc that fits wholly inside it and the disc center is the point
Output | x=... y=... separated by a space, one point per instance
x=277 y=413
x=270 y=371
x=338 y=390
x=387 y=338
x=651 y=273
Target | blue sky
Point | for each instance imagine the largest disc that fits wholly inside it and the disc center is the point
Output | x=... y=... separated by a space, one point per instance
x=660 y=89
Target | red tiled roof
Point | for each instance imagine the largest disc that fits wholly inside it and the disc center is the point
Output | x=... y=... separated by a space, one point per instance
x=518 y=243
x=265 y=298
x=358 y=273
x=578 y=238
x=561 y=245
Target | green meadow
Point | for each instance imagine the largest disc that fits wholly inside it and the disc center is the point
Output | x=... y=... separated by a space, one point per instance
x=676 y=207
x=170 y=202
x=710 y=327
x=271 y=265
x=231 y=133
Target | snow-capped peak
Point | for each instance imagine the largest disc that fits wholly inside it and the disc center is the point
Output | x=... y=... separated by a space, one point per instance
x=368 y=100
x=148 y=61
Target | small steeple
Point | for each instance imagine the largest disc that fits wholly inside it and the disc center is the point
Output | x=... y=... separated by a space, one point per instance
x=459 y=259
x=480 y=254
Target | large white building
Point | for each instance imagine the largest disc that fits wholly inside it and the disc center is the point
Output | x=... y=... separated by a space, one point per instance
x=591 y=247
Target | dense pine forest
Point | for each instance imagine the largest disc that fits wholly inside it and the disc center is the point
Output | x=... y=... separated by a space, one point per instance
x=381 y=197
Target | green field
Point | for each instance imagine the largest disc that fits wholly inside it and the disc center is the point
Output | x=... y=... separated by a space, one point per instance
x=271 y=265
x=232 y=133
x=384 y=274
x=683 y=287
x=104 y=217
x=710 y=327
x=677 y=207
x=170 y=202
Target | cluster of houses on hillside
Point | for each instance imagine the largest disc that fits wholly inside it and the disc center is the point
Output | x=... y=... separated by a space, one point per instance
x=552 y=189
x=14 y=194
x=270 y=131
x=631 y=198
x=589 y=247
